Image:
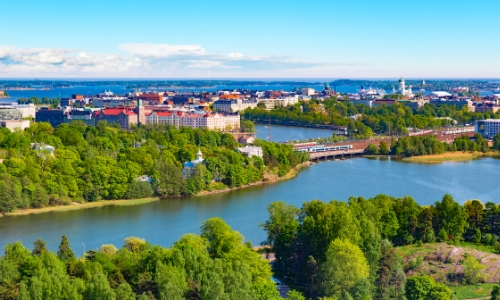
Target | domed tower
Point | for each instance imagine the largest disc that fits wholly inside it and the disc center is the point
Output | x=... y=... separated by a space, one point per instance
x=401 y=86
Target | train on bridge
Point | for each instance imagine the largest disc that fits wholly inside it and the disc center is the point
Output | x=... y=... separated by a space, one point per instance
x=315 y=147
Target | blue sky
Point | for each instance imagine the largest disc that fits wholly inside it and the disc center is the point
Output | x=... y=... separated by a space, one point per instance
x=250 y=39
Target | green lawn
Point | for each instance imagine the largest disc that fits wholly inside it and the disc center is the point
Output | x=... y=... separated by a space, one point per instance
x=412 y=249
x=472 y=291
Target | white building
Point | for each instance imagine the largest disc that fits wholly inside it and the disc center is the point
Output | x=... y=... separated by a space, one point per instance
x=487 y=128
x=12 y=125
x=27 y=110
x=402 y=89
x=279 y=102
x=251 y=151
x=308 y=91
x=439 y=94
x=8 y=112
x=233 y=105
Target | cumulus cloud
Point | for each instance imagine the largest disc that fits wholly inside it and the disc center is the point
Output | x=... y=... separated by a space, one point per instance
x=141 y=60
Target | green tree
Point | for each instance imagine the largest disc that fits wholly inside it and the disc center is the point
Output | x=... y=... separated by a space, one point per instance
x=124 y=292
x=496 y=142
x=247 y=126
x=475 y=211
x=39 y=247
x=391 y=278
x=345 y=264
x=418 y=287
x=294 y=295
x=424 y=287
x=134 y=244
x=98 y=288
x=171 y=282
x=495 y=292
x=65 y=253
x=452 y=216
x=371 y=149
x=220 y=237
x=383 y=148
x=281 y=228
x=473 y=270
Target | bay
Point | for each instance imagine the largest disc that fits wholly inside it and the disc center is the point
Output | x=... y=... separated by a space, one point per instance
x=163 y=222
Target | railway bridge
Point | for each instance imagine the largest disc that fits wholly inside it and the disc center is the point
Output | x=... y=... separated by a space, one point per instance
x=336 y=154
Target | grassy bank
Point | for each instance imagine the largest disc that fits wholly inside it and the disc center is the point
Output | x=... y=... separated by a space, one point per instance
x=77 y=206
x=449 y=156
x=477 y=291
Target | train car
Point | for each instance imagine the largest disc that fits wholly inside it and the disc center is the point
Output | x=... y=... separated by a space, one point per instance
x=323 y=148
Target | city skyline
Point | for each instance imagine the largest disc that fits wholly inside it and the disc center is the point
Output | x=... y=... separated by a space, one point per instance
x=221 y=39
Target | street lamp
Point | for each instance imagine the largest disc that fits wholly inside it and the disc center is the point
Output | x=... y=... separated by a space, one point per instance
x=83 y=249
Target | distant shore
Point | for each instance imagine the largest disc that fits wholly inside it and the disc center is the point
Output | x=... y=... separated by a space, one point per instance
x=78 y=206
x=450 y=156
x=269 y=179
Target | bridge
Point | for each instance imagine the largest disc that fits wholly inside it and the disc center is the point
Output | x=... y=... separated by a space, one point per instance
x=316 y=156
x=359 y=146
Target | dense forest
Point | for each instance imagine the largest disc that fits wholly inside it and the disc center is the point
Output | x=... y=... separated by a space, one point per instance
x=216 y=264
x=346 y=250
x=362 y=121
x=53 y=102
x=105 y=162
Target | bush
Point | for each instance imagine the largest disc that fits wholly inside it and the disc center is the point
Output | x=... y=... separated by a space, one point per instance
x=473 y=270
x=487 y=239
x=477 y=236
x=371 y=149
x=138 y=189
x=443 y=235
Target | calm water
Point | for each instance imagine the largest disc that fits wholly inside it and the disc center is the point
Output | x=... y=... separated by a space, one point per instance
x=163 y=222
x=289 y=133
x=94 y=90
x=120 y=90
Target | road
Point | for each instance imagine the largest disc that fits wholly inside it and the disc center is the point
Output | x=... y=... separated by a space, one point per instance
x=284 y=290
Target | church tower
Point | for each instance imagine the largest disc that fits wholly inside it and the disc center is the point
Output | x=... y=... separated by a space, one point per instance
x=199 y=156
x=141 y=115
x=402 y=87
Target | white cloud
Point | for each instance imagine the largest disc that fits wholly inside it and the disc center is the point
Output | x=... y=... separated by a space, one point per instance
x=162 y=50
x=235 y=55
x=203 y=64
x=142 y=60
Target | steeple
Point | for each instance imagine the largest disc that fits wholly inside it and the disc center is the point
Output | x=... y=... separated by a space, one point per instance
x=200 y=155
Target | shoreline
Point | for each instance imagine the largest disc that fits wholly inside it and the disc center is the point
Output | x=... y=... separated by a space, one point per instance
x=458 y=156
x=79 y=206
x=274 y=179
x=122 y=202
